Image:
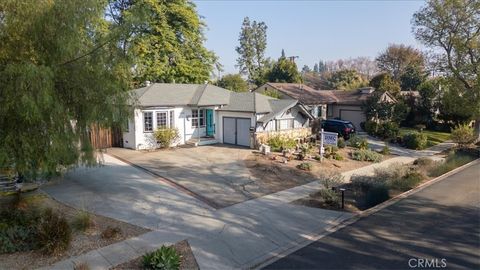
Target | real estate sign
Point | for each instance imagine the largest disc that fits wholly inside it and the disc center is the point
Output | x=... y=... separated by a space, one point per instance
x=330 y=138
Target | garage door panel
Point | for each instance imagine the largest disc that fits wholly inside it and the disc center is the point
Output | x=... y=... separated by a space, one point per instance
x=243 y=132
x=229 y=130
x=356 y=117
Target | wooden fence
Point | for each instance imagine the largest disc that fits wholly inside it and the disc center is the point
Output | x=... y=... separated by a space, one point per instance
x=105 y=137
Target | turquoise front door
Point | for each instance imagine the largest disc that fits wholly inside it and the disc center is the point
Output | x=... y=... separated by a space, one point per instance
x=210 y=125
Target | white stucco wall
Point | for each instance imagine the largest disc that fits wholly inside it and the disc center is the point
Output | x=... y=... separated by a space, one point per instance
x=137 y=138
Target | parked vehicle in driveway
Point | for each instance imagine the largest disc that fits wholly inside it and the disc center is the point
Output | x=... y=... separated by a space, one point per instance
x=342 y=127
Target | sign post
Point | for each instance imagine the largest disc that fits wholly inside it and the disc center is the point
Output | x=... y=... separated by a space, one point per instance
x=322 y=150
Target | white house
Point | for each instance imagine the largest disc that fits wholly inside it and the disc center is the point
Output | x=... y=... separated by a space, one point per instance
x=207 y=114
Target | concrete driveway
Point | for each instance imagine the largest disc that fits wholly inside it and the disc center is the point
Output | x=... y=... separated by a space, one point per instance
x=235 y=237
x=215 y=173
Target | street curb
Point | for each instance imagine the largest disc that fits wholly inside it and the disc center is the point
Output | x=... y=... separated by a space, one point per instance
x=349 y=221
x=164 y=179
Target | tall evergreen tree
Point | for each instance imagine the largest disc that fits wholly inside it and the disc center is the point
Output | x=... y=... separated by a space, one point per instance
x=253 y=42
x=315 y=68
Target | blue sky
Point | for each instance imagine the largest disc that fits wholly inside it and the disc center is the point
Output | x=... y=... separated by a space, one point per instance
x=312 y=30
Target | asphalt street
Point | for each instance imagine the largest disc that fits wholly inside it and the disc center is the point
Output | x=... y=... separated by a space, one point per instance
x=435 y=228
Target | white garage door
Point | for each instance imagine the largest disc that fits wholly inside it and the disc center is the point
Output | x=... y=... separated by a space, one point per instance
x=356 y=117
x=236 y=131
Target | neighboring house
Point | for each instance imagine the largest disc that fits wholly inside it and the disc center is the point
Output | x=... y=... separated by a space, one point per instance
x=207 y=114
x=312 y=99
x=327 y=104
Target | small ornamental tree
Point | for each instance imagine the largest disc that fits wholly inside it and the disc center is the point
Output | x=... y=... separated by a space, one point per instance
x=463 y=135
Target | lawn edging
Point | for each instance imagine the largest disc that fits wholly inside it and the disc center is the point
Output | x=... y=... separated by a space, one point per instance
x=349 y=221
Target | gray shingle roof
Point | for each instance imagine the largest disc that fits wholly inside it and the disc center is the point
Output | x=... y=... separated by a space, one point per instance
x=166 y=94
x=163 y=94
x=278 y=106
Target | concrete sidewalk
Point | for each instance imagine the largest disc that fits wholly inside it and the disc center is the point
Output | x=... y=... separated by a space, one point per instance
x=377 y=145
x=239 y=236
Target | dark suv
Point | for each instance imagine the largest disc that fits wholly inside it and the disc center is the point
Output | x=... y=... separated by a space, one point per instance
x=342 y=127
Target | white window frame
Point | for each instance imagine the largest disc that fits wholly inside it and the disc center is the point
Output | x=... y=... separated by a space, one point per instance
x=199 y=117
x=145 y=122
x=171 y=118
x=157 y=113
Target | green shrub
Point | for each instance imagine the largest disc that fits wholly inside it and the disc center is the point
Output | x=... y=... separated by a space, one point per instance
x=329 y=180
x=166 y=136
x=366 y=155
x=341 y=142
x=408 y=181
x=415 y=140
x=82 y=221
x=330 y=151
x=463 y=134
x=53 y=233
x=423 y=162
x=385 y=150
x=376 y=194
x=317 y=157
x=364 y=182
x=17 y=230
x=164 y=258
x=279 y=143
x=358 y=142
x=374 y=189
x=330 y=197
x=305 y=166
x=452 y=161
x=388 y=130
x=338 y=157
x=304 y=149
x=371 y=127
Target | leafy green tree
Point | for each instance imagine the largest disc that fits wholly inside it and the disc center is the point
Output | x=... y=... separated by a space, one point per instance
x=253 y=42
x=384 y=82
x=306 y=69
x=397 y=58
x=380 y=111
x=389 y=85
x=451 y=28
x=61 y=71
x=377 y=79
x=347 y=79
x=412 y=78
x=457 y=106
x=428 y=101
x=233 y=82
x=166 y=43
x=284 y=71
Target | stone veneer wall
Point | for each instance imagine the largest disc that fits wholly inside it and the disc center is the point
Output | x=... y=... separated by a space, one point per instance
x=298 y=133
